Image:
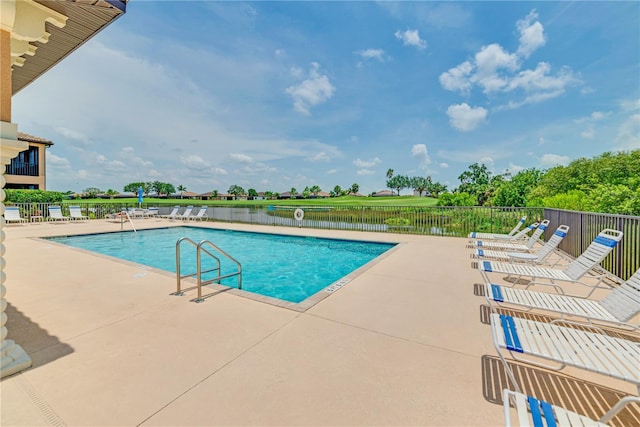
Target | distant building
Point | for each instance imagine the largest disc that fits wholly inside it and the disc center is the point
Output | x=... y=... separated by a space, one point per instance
x=28 y=169
x=383 y=193
x=423 y=193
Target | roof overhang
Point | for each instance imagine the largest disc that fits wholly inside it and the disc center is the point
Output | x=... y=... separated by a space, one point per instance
x=70 y=25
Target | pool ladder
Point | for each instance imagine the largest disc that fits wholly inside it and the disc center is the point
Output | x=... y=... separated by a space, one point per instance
x=199 y=272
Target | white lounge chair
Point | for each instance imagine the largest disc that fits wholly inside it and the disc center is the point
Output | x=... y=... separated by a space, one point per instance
x=533 y=412
x=185 y=215
x=173 y=213
x=617 y=308
x=202 y=213
x=55 y=214
x=76 y=214
x=520 y=235
x=136 y=213
x=534 y=258
x=594 y=352
x=12 y=214
x=476 y=235
x=152 y=213
x=509 y=245
x=601 y=246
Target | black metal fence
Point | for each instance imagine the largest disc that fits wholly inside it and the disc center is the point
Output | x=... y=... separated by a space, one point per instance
x=623 y=261
x=441 y=221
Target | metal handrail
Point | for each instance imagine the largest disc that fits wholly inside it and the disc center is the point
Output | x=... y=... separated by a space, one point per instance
x=180 y=277
x=199 y=267
x=198 y=273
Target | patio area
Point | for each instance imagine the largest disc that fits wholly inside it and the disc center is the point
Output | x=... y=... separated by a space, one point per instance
x=405 y=343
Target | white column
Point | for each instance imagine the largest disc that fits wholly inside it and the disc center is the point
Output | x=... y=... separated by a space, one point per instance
x=12 y=357
x=22 y=22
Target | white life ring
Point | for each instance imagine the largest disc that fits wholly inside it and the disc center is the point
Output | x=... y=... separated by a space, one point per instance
x=298 y=214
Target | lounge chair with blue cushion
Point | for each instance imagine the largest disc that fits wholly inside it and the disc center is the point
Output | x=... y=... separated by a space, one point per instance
x=476 y=235
x=76 y=214
x=516 y=246
x=538 y=413
x=522 y=234
x=616 y=309
x=601 y=246
x=55 y=214
x=12 y=214
x=538 y=343
x=519 y=256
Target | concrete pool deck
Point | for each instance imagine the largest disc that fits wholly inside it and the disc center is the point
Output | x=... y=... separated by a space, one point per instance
x=404 y=343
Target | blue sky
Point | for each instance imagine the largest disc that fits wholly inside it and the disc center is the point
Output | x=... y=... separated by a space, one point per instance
x=275 y=95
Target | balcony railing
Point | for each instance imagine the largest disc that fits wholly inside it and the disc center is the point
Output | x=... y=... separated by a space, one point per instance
x=22 y=168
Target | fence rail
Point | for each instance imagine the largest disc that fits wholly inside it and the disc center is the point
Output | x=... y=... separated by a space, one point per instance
x=440 y=220
x=623 y=261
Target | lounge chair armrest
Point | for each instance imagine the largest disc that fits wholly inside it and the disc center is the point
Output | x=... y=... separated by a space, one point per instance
x=618 y=407
x=557 y=287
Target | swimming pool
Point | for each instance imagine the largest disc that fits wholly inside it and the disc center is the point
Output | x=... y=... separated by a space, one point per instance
x=289 y=268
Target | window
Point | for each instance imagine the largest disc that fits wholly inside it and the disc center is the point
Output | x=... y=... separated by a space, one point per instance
x=26 y=163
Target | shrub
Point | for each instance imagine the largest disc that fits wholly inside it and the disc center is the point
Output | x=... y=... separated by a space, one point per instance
x=398 y=222
x=33 y=196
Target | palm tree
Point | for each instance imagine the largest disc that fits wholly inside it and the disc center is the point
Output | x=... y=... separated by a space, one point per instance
x=389 y=173
x=354 y=188
x=181 y=188
x=293 y=192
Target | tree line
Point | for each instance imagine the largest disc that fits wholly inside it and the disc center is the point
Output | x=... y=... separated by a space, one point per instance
x=608 y=183
x=420 y=184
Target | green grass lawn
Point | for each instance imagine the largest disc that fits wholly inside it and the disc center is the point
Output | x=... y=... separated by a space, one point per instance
x=332 y=201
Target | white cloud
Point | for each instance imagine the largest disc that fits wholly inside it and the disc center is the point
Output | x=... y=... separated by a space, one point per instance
x=363 y=172
x=57 y=162
x=628 y=137
x=411 y=38
x=497 y=71
x=240 y=158
x=129 y=154
x=319 y=157
x=116 y=166
x=630 y=104
x=588 y=134
x=331 y=171
x=74 y=135
x=444 y=165
x=457 y=78
x=488 y=162
x=220 y=171
x=195 y=162
x=593 y=117
x=531 y=34
x=366 y=163
x=315 y=90
x=514 y=169
x=489 y=61
x=466 y=118
x=419 y=152
x=371 y=54
x=551 y=160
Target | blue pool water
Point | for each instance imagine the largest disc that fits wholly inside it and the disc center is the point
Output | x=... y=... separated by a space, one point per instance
x=284 y=267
